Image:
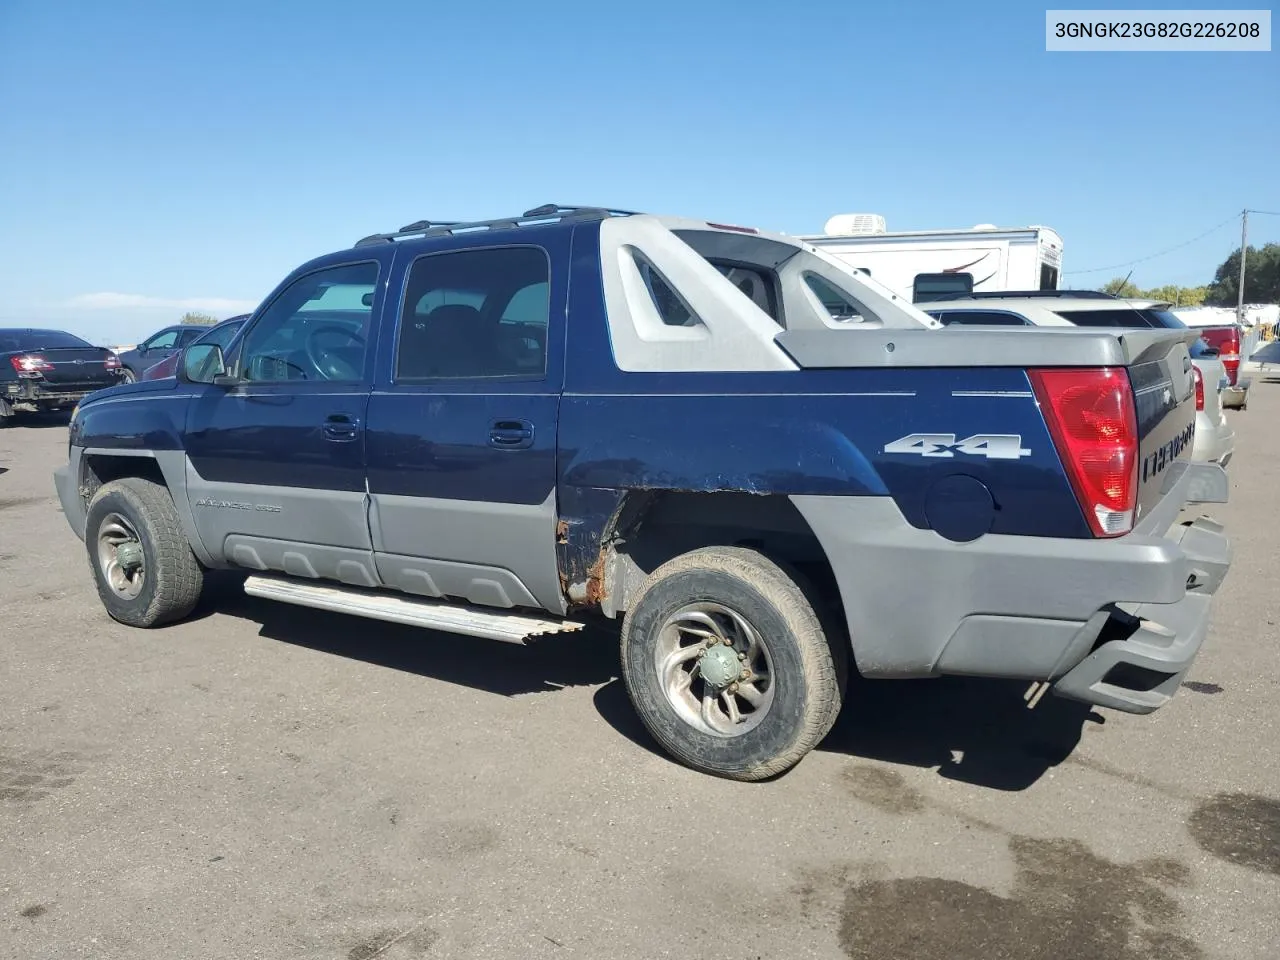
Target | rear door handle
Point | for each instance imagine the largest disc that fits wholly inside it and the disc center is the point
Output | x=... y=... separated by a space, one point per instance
x=511 y=434
x=340 y=427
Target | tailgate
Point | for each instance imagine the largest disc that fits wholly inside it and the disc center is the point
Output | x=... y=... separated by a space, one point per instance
x=1165 y=402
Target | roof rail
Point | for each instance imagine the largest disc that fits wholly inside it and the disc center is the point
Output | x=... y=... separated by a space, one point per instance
x=547 y=213
x=1033 y=294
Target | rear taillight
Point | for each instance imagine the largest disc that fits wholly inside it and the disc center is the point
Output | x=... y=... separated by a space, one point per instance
x=1229 y=354
x=1199 y=387
x=1091 y=417
x=112 y=362
x=30 y=365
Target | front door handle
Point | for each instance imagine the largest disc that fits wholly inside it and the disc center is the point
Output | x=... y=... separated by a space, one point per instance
x=340 y=427
x=511 y=434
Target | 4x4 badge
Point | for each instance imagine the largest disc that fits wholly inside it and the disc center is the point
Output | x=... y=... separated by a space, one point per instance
x=993 y=446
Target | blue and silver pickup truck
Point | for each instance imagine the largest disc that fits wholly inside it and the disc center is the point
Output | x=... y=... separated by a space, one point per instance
x=770 y=468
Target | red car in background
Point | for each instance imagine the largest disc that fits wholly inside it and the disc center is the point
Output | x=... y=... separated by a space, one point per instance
x=1226 y=340
x=222 y=334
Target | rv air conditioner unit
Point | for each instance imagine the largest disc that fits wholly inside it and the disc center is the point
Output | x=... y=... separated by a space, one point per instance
x=854 y=224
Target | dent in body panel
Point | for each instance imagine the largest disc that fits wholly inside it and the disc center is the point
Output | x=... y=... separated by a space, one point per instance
x=907 y=591
x=588 y=519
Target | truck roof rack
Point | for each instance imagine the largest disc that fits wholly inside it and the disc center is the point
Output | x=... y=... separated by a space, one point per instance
x=1035 y=294
x=547 y=213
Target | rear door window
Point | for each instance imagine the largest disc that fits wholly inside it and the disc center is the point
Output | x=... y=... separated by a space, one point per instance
x=472 y=314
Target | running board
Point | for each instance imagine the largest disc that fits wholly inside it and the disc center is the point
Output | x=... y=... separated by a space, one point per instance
x=396 y=608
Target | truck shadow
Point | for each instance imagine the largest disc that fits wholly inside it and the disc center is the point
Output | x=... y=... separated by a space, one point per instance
x=578 y=659
x=972 y=730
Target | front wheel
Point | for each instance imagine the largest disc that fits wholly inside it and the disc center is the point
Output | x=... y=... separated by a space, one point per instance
x=142 y=564
x=728 y=665
x=128 y=376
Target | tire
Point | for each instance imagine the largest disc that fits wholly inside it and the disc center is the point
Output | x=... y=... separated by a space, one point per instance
x=167 y=585
x=801 y=687
x=128 y=376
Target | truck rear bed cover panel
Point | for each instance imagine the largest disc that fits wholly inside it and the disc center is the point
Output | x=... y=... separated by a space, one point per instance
x=975 y=347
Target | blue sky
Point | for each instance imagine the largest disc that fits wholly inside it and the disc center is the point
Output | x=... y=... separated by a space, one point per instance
x=156 y=156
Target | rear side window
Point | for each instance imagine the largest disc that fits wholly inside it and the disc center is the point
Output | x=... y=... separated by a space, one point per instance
x=670 y=305
x=475 y=314
x=836 y=303
x=980 y=318
x=1124 y=317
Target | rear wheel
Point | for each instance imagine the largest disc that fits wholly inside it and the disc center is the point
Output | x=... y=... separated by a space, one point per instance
x=728 y=664
x=142 y=564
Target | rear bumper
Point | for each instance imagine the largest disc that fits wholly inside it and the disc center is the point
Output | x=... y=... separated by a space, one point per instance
x=1065 y=611
x=41 y=393
x=1235 y=397
x=1214 y=442
x=1141 y=668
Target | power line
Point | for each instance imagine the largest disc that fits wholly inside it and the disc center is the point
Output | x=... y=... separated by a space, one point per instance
x=1130 y=263
x=1265 y=213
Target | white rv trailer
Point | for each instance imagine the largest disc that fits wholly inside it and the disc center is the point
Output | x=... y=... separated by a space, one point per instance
x=923 y=264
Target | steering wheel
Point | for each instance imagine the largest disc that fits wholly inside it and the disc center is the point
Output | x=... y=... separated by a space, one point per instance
x=331 y=365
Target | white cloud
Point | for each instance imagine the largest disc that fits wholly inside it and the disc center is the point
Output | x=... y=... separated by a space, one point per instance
x=137 y=301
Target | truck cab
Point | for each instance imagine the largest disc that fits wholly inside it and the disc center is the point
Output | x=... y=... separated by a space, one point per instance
x=771 y=469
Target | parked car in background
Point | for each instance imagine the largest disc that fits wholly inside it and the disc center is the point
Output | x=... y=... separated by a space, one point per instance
x=1214 y=439
x=160 y=345
x=42 y=370
x=1220 y=330
x=222 y=334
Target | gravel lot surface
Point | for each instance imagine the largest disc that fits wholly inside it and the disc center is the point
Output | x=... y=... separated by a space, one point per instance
x=267 y=781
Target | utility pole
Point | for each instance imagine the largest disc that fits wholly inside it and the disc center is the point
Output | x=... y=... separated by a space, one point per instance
x=1244 y=250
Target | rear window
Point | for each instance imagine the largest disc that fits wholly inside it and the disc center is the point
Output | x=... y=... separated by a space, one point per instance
x=14 y=340
x=978 y=318
x=1124 y=317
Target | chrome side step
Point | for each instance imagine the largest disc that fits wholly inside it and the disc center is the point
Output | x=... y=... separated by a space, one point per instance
x=398 y=608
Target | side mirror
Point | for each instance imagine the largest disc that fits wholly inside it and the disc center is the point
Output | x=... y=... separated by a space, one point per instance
x=202 y=363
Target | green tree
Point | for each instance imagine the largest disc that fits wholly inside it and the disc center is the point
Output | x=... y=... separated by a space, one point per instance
x=1170 y=292
x=1178 y=296
x=1121 y=287
x=1261 y=278
x=200 y=318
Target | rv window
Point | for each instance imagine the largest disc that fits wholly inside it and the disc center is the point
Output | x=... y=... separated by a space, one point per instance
x=1048 y=277
x=940 y=286
x=837 y=304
